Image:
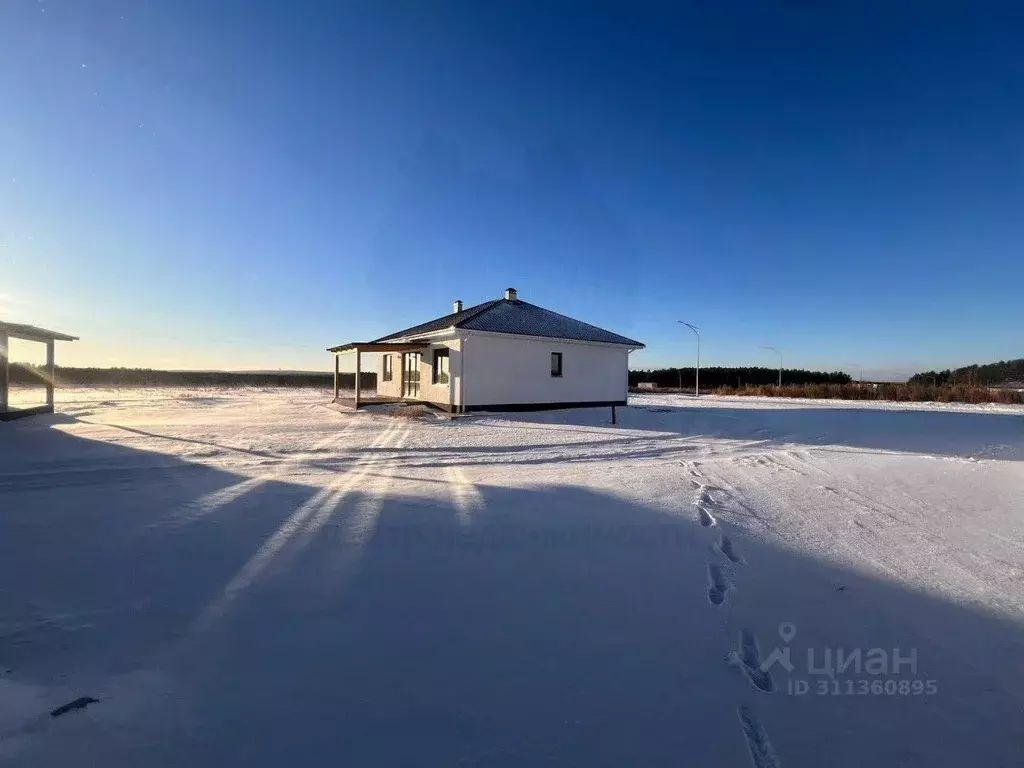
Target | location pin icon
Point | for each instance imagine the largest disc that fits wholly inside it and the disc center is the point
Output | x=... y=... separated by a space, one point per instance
x=787 y=631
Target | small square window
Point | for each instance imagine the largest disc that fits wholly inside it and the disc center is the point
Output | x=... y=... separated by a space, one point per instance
x=556 y=363
x=387 y=368
x=440 y=375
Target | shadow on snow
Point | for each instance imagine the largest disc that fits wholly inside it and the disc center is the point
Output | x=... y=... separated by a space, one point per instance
x=560 y=626
x=940 y=433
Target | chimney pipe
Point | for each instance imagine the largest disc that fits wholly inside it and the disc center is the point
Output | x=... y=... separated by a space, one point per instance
x=510 y=294
x=456 y=306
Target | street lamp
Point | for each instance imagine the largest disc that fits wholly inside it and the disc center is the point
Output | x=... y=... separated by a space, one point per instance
x=696 y=382
x=779 y=353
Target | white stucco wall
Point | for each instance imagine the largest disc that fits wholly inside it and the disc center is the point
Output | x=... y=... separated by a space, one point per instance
x=506 y=370
x=439 y=393
x=432 y=393
x=391 y=388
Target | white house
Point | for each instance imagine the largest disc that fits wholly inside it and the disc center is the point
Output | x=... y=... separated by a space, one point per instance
x=501 y=355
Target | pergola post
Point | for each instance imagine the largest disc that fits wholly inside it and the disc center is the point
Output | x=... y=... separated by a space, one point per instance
x=337 y=364
x=5 y=376
x=10 y=331
x=358 y=367
x=49 y=373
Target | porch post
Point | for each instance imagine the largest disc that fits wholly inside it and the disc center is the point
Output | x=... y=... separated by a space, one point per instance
x=4 y=372
x=49 y=373
x=336 y=371
x=358 y=372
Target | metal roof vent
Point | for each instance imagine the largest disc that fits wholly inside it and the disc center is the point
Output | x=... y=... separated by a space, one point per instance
x=510 y=294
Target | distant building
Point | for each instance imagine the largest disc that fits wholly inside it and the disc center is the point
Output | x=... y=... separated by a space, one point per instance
x=646 y=385
x=501 y=355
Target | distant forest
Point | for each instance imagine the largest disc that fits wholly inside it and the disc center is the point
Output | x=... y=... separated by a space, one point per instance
x=712 y=378
x=22 y=373
x=1006 y=372
x=993 y=374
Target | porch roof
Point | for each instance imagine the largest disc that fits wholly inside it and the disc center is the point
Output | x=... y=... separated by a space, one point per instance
x=375 y=346
x=32 y=333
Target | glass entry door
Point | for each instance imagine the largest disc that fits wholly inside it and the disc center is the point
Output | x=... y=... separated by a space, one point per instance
x=411 y=374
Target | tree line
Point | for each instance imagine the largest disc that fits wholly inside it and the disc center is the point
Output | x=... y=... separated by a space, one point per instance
x=990 y=374
x=28 y=374
x=711 y=378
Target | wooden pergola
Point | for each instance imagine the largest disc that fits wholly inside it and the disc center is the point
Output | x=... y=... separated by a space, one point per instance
x=358 y=347
x=10 y=331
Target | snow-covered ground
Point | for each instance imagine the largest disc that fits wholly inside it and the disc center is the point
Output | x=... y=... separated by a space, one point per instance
x=246 y=577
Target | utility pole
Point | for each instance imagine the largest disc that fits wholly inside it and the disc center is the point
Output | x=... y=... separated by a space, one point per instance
x=696 y=383
x=779 y=353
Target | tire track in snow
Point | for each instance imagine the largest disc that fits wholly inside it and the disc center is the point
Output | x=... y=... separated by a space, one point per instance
x=358 y=528
x=881 y=516
x=367 y=508
x=878 y=507
x=468 y=500
x=200 y=508
x=273 y=545
x=876 y=517
x=809 y=522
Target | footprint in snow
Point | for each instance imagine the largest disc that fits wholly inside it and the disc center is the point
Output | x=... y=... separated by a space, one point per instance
x=748 y=658
x=718 y=584
x=762 y=754
x=728 y=548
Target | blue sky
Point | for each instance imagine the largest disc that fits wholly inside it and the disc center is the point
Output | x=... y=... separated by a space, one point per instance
x=241 y=184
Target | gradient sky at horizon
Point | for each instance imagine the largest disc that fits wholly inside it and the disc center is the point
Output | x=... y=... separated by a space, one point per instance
x=227 y=184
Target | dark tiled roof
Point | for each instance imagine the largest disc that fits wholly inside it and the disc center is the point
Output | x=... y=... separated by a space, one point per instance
x=520 y=318
x=456 y=318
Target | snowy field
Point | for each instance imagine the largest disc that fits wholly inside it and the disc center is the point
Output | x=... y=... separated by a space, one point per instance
x=247 y=577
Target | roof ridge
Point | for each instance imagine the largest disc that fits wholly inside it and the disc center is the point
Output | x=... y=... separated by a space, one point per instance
x=515 y=317
x=438 y=323
x=556 y=325
x=576 y=320
x=483 y=309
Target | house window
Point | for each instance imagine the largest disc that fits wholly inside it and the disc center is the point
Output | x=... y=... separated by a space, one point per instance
x=387 y=368
x=556 y=363
x=440 y=366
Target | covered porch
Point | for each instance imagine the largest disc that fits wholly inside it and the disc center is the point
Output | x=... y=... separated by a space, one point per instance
x=409 y=355
x=10 y=331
